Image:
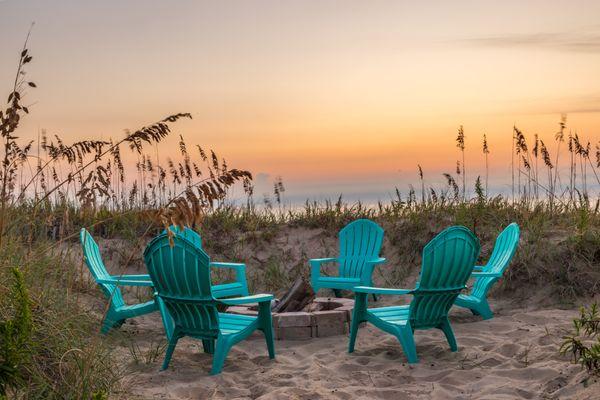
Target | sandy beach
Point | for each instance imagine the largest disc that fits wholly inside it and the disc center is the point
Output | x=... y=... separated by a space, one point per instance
x=513 y=356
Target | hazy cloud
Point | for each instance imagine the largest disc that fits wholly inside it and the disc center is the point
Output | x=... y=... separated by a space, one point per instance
x=582 y=41
x=584 y=104
x=574 y=110
x=565 y=105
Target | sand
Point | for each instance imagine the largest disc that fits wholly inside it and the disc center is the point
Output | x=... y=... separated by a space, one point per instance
x=513 y=356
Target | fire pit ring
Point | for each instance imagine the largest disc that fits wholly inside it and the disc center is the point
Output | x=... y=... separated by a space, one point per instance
x=331 y=317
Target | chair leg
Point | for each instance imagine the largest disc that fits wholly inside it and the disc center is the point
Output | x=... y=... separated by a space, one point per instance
x=166 y=318
x=407 y=340
x=169 y=352
x=374 y=297
x=483 y=309
x=110 y=321
x=106 y=326
x=447 y=329
x=266 y=325
x=208 y=345
x=270 y=343
x=221 y=350
x=360 y=305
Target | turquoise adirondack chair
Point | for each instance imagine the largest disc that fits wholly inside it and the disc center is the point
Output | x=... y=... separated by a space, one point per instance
x=237 y=288
x=485 y=276
x=447 y=263
x=360 y=243
x=181 y=277
x=118 y=311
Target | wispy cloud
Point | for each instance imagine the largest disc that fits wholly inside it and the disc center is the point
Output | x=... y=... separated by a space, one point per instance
x=581 y=41
x=589 y=104
x=583 y=104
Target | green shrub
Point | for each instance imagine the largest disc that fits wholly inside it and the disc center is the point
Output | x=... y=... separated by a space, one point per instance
x=50 y=347
x=583 y=344
x=15 y=335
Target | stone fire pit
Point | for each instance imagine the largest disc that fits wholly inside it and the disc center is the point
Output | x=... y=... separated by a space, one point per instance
x=325 y=316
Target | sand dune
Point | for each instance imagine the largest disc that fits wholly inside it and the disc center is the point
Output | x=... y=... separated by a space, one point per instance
x=511 y=356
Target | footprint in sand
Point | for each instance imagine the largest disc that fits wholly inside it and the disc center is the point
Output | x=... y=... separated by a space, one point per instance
x=509 y=349
x=556 y=384
x=363 y=360
x=490 y=363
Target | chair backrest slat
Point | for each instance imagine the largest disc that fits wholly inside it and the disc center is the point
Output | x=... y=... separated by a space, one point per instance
x=359 y=242
x=181 y=275
x=447 y=263
x=187 y=233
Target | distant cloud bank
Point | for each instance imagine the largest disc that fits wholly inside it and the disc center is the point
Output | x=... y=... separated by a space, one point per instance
x=587 y=41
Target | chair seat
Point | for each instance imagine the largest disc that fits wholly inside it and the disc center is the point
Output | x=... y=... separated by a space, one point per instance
x=333 y=282
x=138 y=309
x=233 y=323
x=397 y=315
x=338 y=279
x=467 y=298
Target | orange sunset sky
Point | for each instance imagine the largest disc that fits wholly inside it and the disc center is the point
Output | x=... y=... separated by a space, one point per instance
x=333 y=96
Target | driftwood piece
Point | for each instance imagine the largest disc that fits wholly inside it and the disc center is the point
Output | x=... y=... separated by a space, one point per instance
x=298 y=297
